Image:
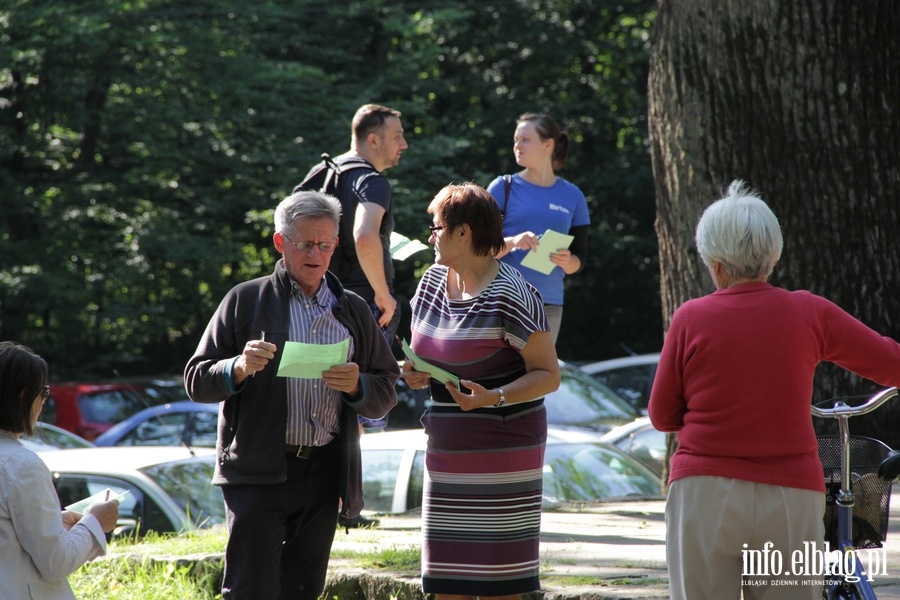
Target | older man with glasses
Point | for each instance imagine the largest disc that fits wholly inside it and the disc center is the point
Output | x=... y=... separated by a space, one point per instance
x=288 y=447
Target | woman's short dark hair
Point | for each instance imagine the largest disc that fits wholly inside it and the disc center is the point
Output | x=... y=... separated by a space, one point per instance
x=472 y=205
x=23 y=375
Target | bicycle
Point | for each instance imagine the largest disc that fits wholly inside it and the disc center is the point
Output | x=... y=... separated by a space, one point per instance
x=859 y=472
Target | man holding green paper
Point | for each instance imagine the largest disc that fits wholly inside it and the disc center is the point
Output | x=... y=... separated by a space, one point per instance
x=288 y=439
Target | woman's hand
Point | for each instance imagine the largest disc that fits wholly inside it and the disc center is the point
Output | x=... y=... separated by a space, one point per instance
x=565 y=260
x=70 y=519
x=479 y=398
x=106 y=512
x=416 y=380
x=526 y=240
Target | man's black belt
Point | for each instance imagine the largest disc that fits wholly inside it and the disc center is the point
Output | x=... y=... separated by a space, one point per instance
x=303 y=452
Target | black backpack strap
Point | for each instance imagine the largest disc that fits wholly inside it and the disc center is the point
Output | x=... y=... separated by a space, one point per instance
x=507 y=181
x=346 y=164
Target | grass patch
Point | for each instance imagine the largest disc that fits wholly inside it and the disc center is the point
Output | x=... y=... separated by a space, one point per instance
x=395 y=558
x=123 y=580
x=201 y=541
x=571 y=581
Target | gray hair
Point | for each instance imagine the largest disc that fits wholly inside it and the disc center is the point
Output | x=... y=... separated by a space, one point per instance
x=741 y=232
x=306 y=205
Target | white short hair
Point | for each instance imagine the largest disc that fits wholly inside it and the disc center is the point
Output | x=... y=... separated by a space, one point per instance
x=741 y=232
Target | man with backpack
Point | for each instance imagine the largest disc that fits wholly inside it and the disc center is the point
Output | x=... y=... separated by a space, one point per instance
x=362 y=261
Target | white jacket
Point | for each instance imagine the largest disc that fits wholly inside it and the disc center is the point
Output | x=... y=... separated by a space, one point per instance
x=36 y=551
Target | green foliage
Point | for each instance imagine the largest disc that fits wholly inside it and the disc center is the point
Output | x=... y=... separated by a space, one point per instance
x=142 y=580
x=143 y=144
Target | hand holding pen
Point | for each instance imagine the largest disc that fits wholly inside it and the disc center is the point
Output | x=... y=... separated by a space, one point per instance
x=255 y=357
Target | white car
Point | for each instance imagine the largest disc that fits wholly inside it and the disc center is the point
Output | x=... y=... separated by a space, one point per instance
x=640 y=440
x=630 y=376
x=51 y=437
x=580 y=401
x=577 y=467
x=169 y=486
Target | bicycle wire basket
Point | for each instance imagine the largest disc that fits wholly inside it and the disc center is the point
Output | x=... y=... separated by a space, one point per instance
x=872 y=497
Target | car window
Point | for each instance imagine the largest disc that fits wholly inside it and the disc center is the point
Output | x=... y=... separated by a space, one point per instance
x=381 y=468
x=58 y=439
x=203 y=430
x=159 y=430
x=137 y=511
x=110 y=406
x=188 y=483
x=648 y=445
x=588 y=472
x=582 y=400
x=632 y=383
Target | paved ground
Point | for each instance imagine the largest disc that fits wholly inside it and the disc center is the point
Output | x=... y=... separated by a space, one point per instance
x=609 y=551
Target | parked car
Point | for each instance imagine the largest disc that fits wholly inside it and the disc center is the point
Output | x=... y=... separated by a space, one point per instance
x=580 y=401
x=172 y=424
x=170 y=489
x=631 y=377
x=51 y=437
x=640 y=440
x=90 y=408
x=577 y=467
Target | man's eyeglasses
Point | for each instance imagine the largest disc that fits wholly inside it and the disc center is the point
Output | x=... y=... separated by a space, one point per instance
x=435 y=228
x=45 y=394
x=324 y=247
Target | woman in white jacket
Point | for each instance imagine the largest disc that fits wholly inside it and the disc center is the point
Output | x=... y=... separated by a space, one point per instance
x=39 y=544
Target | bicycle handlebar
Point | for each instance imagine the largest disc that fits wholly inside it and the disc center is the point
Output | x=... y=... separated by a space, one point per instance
x=842 y=410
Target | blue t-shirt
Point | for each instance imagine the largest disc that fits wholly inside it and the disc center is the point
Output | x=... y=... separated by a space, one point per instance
x=536 y=209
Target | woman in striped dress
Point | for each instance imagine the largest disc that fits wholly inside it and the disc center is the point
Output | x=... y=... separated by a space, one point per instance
x=480 y=320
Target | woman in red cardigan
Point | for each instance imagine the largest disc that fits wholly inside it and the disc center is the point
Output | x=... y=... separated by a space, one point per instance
x=735 y=381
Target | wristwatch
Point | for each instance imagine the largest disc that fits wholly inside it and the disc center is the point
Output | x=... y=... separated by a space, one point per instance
x=502 y=399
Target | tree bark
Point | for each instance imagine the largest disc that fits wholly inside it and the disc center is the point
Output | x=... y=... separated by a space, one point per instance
x=799 y=99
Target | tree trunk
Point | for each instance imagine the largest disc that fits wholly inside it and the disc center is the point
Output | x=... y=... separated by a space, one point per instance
x=799 y=99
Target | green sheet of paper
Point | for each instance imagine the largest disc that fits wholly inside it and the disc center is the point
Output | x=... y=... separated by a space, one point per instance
x=550 y=242
x=435 y=372
x=308 y=361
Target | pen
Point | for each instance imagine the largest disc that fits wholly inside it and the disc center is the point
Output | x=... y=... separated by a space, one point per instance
x=262 y=338
x=107 y=495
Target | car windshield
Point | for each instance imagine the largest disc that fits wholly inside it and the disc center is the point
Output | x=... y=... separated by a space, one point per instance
x=582 y=400
x=589 y=472
x=188 y=483
x=58 y=439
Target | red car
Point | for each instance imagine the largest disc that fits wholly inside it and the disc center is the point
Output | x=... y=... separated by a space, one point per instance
x=90 y=408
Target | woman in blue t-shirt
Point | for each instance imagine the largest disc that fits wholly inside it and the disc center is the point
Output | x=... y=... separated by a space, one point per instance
x=535 y=200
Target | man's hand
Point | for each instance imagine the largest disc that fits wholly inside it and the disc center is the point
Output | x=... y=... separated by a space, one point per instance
x=343 y=378
x=255 y=357
x=387 y=304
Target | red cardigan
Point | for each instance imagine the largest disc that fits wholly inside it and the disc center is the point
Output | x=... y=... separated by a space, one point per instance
x=735 y=381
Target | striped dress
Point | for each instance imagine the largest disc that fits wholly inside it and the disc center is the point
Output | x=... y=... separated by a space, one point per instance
x=481 y=515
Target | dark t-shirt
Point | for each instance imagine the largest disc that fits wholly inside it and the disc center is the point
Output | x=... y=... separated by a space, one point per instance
x=363 y=185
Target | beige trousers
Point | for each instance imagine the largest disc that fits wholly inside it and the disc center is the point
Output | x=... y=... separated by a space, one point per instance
x=714 y=525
